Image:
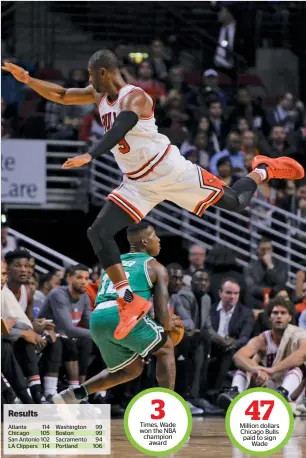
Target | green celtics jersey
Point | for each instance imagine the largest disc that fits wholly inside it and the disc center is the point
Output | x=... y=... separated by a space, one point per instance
x=135 y=266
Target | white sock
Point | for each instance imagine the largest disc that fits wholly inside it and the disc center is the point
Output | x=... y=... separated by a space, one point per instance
x=73 y=383
x=241 y=380
x=262 y=173
x=292 y=380
x=50 y=386
x=123 y=287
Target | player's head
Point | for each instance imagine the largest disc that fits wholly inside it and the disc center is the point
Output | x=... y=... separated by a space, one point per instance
x=101 y=67
x=78 y=278
x=280 y=311
x=18 y=265
x=142 y=237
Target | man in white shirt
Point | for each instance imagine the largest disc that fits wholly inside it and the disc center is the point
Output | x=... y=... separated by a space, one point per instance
x=232 y=321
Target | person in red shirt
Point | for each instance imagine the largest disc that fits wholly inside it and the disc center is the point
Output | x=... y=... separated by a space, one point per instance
x=152 y=87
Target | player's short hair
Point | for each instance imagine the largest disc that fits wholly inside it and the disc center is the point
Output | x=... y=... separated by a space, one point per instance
x=137 y=228
x=281 y=302
x=19 y=253
x=103 y=59
x=73 y=269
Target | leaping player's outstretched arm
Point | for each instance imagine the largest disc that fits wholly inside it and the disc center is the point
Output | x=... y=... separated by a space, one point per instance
x=51 y=91
x=133 y=106
x=243 y=357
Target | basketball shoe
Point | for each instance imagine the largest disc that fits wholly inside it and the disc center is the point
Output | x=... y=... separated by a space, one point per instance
x=282 y=167
x=130 y=314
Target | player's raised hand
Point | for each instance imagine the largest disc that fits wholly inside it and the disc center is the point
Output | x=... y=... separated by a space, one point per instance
x=18 y=72
x=77 y=161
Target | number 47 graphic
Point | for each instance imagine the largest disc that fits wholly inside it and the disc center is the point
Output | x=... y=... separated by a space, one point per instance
x=253 y=410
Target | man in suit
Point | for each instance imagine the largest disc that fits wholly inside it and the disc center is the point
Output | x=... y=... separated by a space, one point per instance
x=234 y=323
x=264 y=276
x=193 y=306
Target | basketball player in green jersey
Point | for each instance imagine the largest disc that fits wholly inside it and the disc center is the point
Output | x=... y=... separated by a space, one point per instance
x=124 y=358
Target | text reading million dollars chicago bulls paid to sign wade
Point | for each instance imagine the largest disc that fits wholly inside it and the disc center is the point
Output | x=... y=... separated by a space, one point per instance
x=57 y=429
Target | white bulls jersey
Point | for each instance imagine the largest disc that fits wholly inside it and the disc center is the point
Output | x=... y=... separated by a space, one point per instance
x=141 y=144
x=271 y=350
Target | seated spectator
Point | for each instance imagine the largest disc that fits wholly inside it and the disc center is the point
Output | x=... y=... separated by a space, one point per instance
x=158 y=60
x=234 y=323
x=285 y=114
x=196 y=258
x=211 y=85
x=201 y=143
x=242 y=126
x=225 y=171
x=251 y=111
x=279 y=145
x=264 y=275
x=193 y=306
x=191 y=153
x=147 y=82
x=28 y=345
x=92 y=288
x=299 y=282
x=91 y=130
x=47 y=282
x=299 y=308
x=233 y=151
x=68 y=306
x=176 y=81
x=264 y=361
x=218 y=125
x=175 y=273
x=249 y=143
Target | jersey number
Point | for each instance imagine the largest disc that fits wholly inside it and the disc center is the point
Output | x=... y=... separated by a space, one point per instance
x=110 y=289
x=124 y=147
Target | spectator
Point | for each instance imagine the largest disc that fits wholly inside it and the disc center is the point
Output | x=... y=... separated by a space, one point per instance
x=8 y=242
x=68 y=306
x=242 y=125
x=175 y=272
x=225 y=171
x=299 y=308
x=233 y=151
x=147 y=82
x=91 y=130
x=218 y=125
x=176 y=81
x=285 y=114
x=251 y=111
x=28 y=345
x=47 y=282
x=193 y=306
x=211 y=84
x=249 y=143
x=279 y=146
x=264 y=275
x=300 y=280
x=234 y=323
x=302 y=320
x=158 y=60
x=196 y=258
x=201 y=143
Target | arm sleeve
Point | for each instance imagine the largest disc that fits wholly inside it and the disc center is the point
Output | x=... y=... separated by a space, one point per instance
x=125 y=121
x=62 y=318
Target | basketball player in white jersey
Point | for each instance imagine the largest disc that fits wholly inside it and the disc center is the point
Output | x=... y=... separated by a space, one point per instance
x=153 y=169
x=255 y=360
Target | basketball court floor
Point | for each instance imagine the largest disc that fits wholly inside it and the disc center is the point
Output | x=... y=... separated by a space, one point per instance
x=208 y=440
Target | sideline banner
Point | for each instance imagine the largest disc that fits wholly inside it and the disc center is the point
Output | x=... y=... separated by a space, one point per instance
x=23 y=170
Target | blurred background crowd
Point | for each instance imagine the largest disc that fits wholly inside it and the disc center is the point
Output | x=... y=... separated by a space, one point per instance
x=218 y=98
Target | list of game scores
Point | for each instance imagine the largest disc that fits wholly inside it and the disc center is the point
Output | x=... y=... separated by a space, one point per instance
x=82 y=429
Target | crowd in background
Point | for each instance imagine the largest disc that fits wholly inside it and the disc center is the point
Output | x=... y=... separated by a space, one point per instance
x=47 y=346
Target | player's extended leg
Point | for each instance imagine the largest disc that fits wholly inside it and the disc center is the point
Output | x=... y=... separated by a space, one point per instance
x=239 y=196
x=111 y=220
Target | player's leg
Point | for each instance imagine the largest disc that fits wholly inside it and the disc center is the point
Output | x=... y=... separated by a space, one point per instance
x=165 y=365
x=111 y=220
x=239 y=196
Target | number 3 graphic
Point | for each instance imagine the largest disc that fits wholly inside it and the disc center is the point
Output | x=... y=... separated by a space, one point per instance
x=159 y=409
x=124 y=147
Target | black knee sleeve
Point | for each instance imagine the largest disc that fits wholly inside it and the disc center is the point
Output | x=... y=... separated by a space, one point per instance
x=101 y=234
x=239 y=196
